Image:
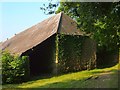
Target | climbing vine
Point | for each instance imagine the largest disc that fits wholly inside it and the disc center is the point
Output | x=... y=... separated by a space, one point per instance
x=69 y=52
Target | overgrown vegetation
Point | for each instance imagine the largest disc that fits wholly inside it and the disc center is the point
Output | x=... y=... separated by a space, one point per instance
x=15 y=69
x=97 y=78
x=100 y=20
x=69 y=53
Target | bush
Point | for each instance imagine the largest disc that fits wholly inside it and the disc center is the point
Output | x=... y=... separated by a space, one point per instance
x=15 y=69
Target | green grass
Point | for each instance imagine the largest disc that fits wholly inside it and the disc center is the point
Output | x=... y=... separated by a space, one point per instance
x=107 y=78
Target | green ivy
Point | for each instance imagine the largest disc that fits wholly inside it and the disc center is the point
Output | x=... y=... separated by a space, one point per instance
x=69 y=53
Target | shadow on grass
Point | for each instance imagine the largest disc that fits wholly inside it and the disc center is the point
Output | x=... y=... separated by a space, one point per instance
x=48 y=76
x=42 y=76
x=102 y=66
x=64 y=84
x=102 y=82
x=99 y=71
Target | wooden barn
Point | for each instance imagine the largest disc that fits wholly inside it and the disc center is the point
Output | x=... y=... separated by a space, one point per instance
x=54 y=45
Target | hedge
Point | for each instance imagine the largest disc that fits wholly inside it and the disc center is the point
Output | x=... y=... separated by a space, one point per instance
x=15 y=69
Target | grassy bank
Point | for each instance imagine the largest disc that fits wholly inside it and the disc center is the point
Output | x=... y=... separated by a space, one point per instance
x=97 y=78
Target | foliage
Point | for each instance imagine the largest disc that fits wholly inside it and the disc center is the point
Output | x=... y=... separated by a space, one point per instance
x=49 y=8
x=14 y=68
x=70 y=53
x=74 y=80
x=101 y=20
x=98 y=19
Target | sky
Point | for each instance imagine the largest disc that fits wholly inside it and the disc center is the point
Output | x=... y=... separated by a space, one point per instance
x=16 y=17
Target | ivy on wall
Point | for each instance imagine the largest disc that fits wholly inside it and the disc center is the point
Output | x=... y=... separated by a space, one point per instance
x=68 y=51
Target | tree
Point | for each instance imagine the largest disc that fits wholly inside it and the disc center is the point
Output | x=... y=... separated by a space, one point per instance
x=100 y=20
x=50 y=8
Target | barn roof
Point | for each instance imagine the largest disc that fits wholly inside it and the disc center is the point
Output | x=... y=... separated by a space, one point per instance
x=59 y=23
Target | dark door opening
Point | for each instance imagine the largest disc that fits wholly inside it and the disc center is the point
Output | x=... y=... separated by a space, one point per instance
x=41 y=57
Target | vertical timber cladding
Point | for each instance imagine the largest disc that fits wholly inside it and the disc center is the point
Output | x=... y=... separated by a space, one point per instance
x=71 y=51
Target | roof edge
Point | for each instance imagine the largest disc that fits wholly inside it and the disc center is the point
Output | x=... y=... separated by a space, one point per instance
x=59 y=24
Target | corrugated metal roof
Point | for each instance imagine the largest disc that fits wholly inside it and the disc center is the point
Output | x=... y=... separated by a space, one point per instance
x=59 y=23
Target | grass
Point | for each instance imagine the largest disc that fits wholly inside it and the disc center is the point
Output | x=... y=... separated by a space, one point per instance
x=97 y=78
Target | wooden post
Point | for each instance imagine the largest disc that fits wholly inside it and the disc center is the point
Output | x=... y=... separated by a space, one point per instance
x=55 y=71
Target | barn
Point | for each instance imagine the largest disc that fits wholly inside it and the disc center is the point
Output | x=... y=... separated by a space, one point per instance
x=54 y=45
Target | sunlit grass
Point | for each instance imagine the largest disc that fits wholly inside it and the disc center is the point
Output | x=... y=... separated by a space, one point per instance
x=71 y=80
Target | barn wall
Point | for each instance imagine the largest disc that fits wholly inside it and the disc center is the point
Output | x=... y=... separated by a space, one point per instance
x=42 y=57
x=88 y=56
x=74 y=53
x=62 y=54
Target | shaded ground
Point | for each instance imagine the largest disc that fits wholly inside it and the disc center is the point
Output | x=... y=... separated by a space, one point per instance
x=102 y=80
x=97 y=78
